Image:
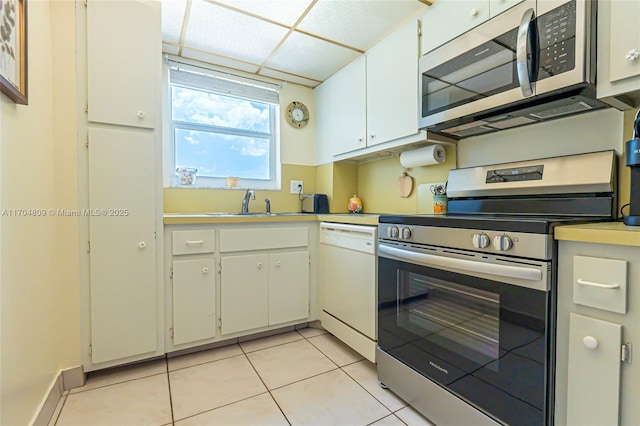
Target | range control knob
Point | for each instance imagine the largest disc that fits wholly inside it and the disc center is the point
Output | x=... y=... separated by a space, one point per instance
x=502 y=242
x=393 y=232
x=480 y=241
x=405 y=233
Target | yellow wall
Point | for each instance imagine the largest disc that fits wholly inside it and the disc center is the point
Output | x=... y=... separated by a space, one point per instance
x=378 y=183
x=39 y=255
x=193 y=200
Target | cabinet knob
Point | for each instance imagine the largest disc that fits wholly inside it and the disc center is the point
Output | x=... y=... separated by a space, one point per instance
x=205 y=270
x=474 y=12
x=278 y=263
x=259 y=265
x=372 y=136
x=590 y=342
x=360 y=139
x=141 y=114
x=142 y=244
x=633 y=54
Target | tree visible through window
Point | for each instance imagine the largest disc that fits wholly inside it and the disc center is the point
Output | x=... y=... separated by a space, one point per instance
x=221 y=134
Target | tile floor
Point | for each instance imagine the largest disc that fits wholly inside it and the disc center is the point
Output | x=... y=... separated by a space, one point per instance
x=302 y=377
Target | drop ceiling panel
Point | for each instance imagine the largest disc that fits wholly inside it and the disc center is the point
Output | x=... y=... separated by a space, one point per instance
x=267 y=72
x=224 y=32
x=286 y=12
x=310 y=57
x=218 y=60
x=172 y=19
x=358 y=23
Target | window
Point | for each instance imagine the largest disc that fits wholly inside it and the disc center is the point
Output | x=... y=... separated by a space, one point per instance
x=223 y=126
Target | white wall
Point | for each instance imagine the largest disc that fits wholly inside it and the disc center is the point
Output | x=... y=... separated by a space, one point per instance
x=594 y=131
x=39 y=283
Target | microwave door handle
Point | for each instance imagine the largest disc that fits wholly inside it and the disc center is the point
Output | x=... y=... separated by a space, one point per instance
x=522 y=63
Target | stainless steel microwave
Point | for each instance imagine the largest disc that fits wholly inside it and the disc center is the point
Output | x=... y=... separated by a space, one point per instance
x=534 y=62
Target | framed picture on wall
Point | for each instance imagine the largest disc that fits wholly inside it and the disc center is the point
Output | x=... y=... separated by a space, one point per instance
x=13 y=50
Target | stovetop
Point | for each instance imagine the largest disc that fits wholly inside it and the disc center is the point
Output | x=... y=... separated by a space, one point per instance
x=507 y=223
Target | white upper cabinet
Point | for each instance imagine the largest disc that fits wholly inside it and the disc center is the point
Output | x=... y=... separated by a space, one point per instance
x=374 y=99
x=447 y=19
x=124 y=61
x=496 y=7
x=349 y=108
x=392 y=81
x=618 y=51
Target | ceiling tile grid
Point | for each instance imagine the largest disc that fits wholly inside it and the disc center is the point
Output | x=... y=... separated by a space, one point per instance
x=301 y=41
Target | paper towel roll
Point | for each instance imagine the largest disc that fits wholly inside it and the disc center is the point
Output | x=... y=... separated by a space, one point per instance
x=427 y=156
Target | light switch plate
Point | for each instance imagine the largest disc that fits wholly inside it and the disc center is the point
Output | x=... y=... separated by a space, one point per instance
x=294 y=186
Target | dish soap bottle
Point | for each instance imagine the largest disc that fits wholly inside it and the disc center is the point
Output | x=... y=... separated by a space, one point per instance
x=355 y=204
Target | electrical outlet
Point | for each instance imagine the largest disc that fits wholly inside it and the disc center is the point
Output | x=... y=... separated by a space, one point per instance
x=297 y=186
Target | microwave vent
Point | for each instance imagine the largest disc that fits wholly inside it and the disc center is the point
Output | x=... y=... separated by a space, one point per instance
x=563 y=110
x=473 y=131
x=513 y=122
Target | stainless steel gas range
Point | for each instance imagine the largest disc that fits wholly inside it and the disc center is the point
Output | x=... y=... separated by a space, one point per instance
x=467 y=300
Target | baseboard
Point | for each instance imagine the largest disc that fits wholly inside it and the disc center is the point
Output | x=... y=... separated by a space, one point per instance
x=65 y=380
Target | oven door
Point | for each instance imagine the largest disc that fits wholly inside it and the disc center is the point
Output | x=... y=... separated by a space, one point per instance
x=475 y=324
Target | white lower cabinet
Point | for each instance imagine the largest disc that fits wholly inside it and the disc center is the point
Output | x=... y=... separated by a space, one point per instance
x=260 y=290
x=597 y=324
x=194 y=297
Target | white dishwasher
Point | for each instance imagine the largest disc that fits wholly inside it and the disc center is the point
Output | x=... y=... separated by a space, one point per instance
x=347 y=281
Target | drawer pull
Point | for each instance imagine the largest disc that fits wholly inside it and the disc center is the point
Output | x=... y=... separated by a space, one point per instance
x=194 y=243
x=598 y=285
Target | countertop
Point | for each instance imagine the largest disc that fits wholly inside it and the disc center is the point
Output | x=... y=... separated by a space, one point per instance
x=602 y=232
x=218 y=218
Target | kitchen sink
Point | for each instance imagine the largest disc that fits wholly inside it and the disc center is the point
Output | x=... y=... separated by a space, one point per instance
x=228 y=214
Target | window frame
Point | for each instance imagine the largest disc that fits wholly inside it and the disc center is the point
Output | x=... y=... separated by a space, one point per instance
x=208 y=182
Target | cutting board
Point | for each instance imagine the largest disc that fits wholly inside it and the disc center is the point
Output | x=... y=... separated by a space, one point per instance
x=424 y=197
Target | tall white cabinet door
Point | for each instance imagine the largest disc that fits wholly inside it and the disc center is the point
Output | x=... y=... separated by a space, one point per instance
x=288 y=286
x=350 y=107
x=392 y=86
x=323 y=95
x=244 y=292
x=593 y=385
x=123 y=61
x=124 y=317
x=194 y=290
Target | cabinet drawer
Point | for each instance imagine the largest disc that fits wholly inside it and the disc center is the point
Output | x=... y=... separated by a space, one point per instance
x=193 y=242
x=600 y=283
x=263 y=238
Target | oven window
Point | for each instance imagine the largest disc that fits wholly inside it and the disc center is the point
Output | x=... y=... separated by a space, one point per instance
x=461 y=319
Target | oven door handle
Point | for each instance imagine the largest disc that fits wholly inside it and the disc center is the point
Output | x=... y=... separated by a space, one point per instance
x=520 y=272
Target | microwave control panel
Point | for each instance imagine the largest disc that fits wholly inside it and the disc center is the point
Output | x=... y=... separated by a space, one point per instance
x=557 y=38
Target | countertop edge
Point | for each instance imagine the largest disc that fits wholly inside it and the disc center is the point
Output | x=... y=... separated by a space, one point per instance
x=615 y=233
x=196 y=218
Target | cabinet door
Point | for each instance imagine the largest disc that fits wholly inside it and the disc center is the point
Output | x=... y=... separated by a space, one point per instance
x=123 y=288
x=323 y=98
x=447 y=19
x=194 y=289
x=288 y=286
x=392 y=86
x=593 y=385
x=244 y=292
x=124 y=61
x=496 y=7
x=624 y=38
x=349 y=108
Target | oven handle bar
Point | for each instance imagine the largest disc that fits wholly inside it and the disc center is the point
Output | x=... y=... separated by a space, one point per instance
x=520 y=272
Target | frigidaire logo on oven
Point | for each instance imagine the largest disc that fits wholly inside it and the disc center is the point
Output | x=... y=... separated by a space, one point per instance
x=444 y=370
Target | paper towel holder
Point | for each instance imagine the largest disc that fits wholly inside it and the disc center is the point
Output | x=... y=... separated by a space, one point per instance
x=425 y=156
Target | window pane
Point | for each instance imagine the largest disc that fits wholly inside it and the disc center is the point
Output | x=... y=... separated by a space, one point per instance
x=201 y=107
x=221 y=155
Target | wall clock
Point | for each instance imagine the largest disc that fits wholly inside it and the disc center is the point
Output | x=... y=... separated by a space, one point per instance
x=297 y=115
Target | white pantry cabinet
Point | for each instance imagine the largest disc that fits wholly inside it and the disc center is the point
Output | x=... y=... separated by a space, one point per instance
x=619 y=53
x=593 y=385
x=125 y=51
x=121 y=291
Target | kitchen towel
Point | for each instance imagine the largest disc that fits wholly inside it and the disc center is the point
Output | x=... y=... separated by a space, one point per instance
x=427 y=156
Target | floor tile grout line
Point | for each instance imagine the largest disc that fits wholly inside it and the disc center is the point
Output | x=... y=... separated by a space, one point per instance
x=173 y=417
x=113 y=384
x=269 y=347
x=64 y=401
x=330 y=359
x=302 y=380
x=206 y=362
x=221 y=406
x=367 y=391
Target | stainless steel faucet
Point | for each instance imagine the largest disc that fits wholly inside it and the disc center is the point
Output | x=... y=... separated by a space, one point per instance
x=249 y=195
x=268 y=205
